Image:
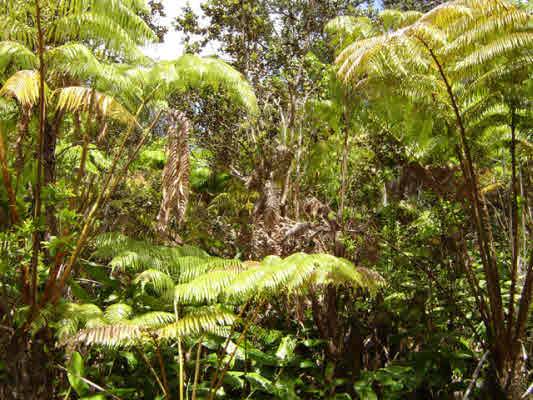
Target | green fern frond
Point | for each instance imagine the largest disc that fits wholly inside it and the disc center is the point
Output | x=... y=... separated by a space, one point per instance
x=481 y=28
x=503 y=71
x=112 y=244
x=496 y=48
x=205 y=288
x=445 y=15
x=17 y=31
x=187 y=250
x=90 y=26
x=95 y=323
x=344 y=30
x=119 y=312
x=197 y=72
x=160 y=281
x=124 y=14
x=74 y=316
x=244 y=286
x=182 y=267
x=153 y=320
x=17 y=55
x=197 y=324
x=73 y=59
x=272 y=277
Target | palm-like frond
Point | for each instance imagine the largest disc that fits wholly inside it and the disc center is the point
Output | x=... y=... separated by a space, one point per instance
x=273 y=276
x=496 y=48
x=22 y=86
x=472 y=42
x=123 y=13
x=197 y=323
x=75 y=316
x=91 y=26
x=344 y=30
x=17 y=55
x=15 y=30
x=159 y=325
x=161 y=282
x=153 y=320
x=79 y=98
x=117 y=313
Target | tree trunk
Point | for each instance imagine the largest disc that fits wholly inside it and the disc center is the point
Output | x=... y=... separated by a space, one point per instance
x=28 y=360
x=49 y=166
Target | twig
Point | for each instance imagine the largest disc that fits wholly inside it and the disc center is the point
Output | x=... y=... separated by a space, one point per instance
x=90 y=383
x=475 y=376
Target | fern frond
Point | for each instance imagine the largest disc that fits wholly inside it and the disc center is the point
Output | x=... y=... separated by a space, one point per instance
x=95 y=323
x=75 y=315
x=125 y=15
x=496 y=48
x=344 y=30
x=111 y=244
x=160 y=281
x=482 y=28
x=17 y=55
x=78 y=98
x=272 y=277
x=153 y=320
x=160 y=324
x=23 y=86
x=197 y=72
x=197 y=323
x=205 y=288
x=90 y=26
x=17 y=31
x=111 y=335
x=118 y=312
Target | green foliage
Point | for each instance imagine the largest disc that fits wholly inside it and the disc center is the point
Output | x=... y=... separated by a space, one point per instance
x=372 y=190
x=75 y=374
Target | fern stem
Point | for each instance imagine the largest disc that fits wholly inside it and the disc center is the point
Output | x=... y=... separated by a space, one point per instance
x=197 y=368
x=86 y=135
x=152 y=370
x=480 y=216
x=226 y=344
x=180 y=355
x=241 y=337
x=514 y=228
x=162 y=367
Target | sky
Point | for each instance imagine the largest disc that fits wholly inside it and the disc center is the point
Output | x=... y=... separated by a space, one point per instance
x=172 y=47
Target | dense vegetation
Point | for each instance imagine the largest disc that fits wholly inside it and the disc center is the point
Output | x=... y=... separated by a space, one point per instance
x=342 y=209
